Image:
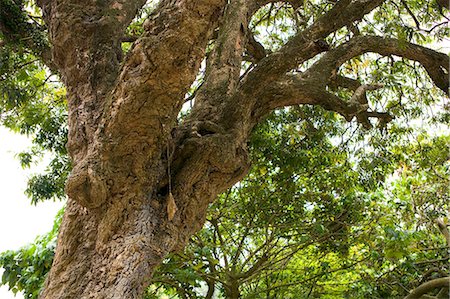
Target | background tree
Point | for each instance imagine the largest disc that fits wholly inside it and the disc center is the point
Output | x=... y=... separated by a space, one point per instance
x=143 y=177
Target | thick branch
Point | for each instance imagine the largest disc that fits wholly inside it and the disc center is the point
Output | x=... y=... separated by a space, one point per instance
x=429 y=286
x=306 y=44
x=435 y=63
x=296 y=89
x=166 y=58
x=224 y=61
x=240 y=109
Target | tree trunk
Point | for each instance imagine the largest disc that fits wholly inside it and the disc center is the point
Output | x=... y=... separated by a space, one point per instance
x=112 y=250
x=140 y=184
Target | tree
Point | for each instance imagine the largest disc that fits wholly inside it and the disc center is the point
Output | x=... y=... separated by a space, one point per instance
x=142 y=176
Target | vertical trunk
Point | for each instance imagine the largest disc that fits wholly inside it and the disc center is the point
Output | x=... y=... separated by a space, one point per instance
x=112 y=253
x=111 y=250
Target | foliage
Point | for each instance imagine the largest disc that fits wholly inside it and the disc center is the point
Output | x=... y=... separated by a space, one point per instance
x=33 y=103
x=25 y=269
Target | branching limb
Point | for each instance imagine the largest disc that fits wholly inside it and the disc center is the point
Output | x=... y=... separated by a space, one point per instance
x=435 y=63
x=296 y=89
x=306 y=44
x=242 y=108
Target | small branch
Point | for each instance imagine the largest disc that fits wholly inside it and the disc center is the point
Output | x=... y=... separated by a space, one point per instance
x=436 y=25
x=254 y=48
x=411 y=14
x=222 y=243
x=433 y=270
x=353 y=29
x=360 y=93
x=360 y=104
x=445 y=259
x=194 y=93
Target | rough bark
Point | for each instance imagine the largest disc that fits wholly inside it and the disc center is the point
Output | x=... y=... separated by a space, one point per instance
x=142 y=179
x=116 y=230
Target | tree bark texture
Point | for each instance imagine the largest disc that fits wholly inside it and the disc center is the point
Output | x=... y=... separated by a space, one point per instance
x=142 y=179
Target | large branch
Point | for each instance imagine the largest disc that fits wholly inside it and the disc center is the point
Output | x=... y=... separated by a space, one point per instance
x=306 y=44
x=161 y=66
x=435 y=63
x=223 y=64
x=301 y=89
x=239 y=110
x=85 y=38
x=310 y=86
